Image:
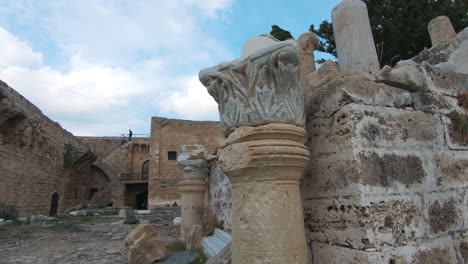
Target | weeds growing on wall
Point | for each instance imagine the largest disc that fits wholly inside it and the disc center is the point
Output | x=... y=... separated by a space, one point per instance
x=8 y=212
x=201 y=258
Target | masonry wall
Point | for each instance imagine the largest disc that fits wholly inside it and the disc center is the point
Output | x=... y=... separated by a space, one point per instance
x=32 y=151
x=117 y=155
x=388 y=175
x=171 y=135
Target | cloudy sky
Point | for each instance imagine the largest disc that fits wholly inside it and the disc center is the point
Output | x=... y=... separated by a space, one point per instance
x=102 y=67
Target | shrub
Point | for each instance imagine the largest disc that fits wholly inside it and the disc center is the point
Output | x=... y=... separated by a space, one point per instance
x=8 y=212
x=201 y=258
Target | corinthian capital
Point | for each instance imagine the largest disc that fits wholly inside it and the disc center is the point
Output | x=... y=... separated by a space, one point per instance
x=259 y=89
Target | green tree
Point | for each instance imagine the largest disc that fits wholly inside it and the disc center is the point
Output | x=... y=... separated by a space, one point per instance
x=399 y=27
x=280 y=33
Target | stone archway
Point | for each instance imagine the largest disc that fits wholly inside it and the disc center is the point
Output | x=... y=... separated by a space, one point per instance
x=54 y=204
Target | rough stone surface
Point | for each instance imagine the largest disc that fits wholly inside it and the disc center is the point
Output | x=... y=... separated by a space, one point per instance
x=463 y=35
x=255 y=44
x=459 y=58
x=308 y=42
x=32 y=159
x=386 y=181
x=260 y=89
x=172 y=135
x=441 y=30
x=408 y=77
x=355 y=45
x=220 y=195
x=144 y=246
x=264 y=165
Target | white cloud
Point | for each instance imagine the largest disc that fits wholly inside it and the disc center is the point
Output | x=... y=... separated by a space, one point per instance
x=193 y=102
x=16 y=52
x=111 y=57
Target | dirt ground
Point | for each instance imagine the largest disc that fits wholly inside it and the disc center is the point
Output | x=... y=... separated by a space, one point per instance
x=77 y=239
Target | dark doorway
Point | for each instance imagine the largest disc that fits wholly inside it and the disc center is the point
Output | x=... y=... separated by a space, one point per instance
x=142 y=200
x=54 y=204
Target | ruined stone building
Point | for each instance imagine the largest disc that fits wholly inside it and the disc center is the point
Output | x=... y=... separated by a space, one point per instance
x=45 y=170
x=168 y=139
x=386 y=168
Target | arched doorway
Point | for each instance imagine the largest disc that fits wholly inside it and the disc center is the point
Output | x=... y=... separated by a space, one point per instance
x=142 y=200
x=145 y=170
x=54 y=204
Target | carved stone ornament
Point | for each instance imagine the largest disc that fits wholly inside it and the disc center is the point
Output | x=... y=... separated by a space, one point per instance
x=260 y=89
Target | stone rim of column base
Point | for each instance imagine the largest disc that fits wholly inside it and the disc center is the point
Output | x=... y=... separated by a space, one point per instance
x=195 y=186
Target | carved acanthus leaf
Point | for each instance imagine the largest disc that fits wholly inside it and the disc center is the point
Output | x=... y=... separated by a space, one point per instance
x=260 y=89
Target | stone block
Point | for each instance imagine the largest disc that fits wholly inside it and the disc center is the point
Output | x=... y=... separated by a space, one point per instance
x=365 y=223
x=462 y=245
x=338 y=92
x=443 y=212
x=432 y=103
x=436 y=251
x=391 y=170
x=445 y=82
x=456 y=130
x=460 y=58
x=332 y=254
x=465 y=211
x=441 y=30
x=143 y=245
x=409 y=77
x=452 y=168
x=399 y=129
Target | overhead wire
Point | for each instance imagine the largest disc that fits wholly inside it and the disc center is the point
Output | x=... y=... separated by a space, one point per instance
x=70 y=91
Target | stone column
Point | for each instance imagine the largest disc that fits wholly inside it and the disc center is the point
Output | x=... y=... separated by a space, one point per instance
x=192 y=188
x=308 y=42
x=355 y=45
x=441 y=30
x=262 y=115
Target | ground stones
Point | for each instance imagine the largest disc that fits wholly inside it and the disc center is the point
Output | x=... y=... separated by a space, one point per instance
x=144 y=246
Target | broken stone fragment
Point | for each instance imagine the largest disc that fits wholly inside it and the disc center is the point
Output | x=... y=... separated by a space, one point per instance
x=144 y=246
x=463 y=35
x=408 y=77
x=441 y=30
x=308 y=42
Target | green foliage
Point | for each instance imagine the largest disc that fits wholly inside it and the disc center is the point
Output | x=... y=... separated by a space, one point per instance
x=399 y=27
x=280 y=33
x=70 y=156
x=201 y=258
x=326 y=37
x=176 y=246
x=8 y=212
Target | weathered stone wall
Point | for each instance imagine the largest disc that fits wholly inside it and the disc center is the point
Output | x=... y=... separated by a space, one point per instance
x=219 y=194
x=32 y=155
x=171 y=135
x=117 y=155
x=388 y=175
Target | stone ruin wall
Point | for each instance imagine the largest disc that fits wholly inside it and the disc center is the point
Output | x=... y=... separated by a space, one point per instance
x=32 y=158
x=172 y=135
x=115 y=157
x=388 y=177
